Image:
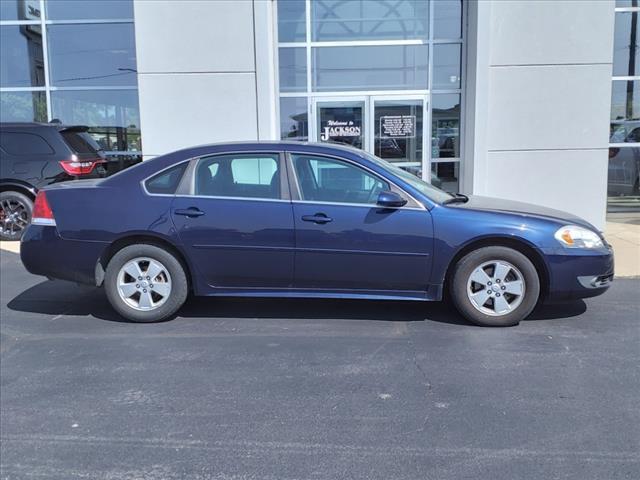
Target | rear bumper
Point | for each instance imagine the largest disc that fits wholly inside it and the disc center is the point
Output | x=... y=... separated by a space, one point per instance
x=580 y=274
x=44 y=252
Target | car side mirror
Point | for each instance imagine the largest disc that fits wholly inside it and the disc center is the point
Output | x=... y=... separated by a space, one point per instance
x=391 y=199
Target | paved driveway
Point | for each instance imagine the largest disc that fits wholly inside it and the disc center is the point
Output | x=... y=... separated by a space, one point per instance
x=283 y=389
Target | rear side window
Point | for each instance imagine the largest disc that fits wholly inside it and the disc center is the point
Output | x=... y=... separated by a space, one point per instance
x=80 y=142
x=166 y=182
x=24 y=144
x=242 y=176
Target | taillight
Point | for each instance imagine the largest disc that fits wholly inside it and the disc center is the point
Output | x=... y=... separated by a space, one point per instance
x=76 y=167
x=42 y=213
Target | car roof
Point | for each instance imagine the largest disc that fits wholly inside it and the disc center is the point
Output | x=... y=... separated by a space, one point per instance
x=35 y=125
x=274 y=144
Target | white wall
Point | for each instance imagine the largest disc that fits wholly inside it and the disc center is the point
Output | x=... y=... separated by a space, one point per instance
x=539 y=90
x=197 y=73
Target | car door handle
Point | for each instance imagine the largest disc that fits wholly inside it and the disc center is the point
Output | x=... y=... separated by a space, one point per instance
x=320 y=218
x=189 y=212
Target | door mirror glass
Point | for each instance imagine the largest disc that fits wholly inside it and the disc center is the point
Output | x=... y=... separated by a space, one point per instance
x=391 y=199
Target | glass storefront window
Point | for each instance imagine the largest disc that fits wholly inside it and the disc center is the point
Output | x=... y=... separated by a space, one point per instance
x=446 y=176
x=21 y=60
x=625 y=110
x=291 y=21
x=333 y=20
x=23 y=107
x=113 y=115
x=93 y=54
x=447 y=19
x=294 y=122
x=446 y=66
x=293 y=70
x=89 y=10
x=626 y=51
x=388 y=67
x=623 y=185
x=11 y=10
x=445 y=126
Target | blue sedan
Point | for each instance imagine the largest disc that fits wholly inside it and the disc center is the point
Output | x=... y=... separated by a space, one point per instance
x=306 y=220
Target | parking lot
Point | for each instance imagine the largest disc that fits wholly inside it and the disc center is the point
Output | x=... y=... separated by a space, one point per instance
x=290 y=389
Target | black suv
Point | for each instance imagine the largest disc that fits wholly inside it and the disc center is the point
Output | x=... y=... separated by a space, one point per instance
x=33 y=155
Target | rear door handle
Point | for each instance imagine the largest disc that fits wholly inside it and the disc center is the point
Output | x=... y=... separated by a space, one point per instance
x=189 y=212
x=319 y=218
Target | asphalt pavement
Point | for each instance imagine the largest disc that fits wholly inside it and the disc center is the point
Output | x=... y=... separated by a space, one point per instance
x=298 y=389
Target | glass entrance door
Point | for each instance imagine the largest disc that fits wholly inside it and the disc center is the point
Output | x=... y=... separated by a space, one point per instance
x=341 y=121
x=398 y=128
x=391 y=127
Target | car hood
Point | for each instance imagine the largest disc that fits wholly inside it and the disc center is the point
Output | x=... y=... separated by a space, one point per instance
x=520 y=208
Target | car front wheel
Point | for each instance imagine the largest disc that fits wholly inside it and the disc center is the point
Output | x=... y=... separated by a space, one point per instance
x=145 y=283
x=495 y=286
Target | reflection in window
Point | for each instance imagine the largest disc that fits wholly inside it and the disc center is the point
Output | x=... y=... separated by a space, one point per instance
x=98 y=54
x=293 y=70
x=625 y=109
x=447 y=19
x=446 y=66
x=623 y=178
x=23 y=107
x=10 y=10
x=625 y=48
x=294 y=122
x=445 y=126
x=94 y=9
x=113 y=115
x=291 y=21
x=369 y=20
x=445 y=176
x=371 y=67
x=21 y=61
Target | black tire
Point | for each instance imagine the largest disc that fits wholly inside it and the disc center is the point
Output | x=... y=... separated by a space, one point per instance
x=16 y=210
x=178 y=283
x=461 y=284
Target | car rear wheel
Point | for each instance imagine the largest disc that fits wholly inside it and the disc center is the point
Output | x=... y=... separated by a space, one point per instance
x=495 y=286
x=145 y=283
x=15 y=214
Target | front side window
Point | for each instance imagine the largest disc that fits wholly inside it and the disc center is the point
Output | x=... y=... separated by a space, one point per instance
x=329 y=180
x=240 y=176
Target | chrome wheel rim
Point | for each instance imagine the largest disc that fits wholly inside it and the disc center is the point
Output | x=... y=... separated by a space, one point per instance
x=496 y=288
x=144 y=284
x=14 y=217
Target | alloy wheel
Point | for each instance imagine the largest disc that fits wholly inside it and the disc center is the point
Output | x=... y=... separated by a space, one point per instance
x=144 y=283
x=14 y=217
x=496 y=288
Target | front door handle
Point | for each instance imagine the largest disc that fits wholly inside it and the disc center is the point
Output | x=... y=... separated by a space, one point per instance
x=319 y=218
x=189 y=212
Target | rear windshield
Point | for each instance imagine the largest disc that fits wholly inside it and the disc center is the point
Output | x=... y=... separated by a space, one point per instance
x=80 y=142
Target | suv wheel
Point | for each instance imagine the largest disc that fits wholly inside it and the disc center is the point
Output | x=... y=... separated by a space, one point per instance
x=495 y=286
x=15 y=214
x=145 y=283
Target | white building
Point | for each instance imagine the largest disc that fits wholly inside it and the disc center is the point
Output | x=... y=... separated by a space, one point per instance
x=502 y=98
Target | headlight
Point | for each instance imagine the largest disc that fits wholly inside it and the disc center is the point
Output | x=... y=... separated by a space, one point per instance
x=572 y=236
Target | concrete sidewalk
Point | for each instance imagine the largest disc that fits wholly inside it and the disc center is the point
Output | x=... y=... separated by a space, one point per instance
x=622 y=232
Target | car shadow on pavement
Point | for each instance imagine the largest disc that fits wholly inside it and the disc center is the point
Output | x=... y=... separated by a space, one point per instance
x=55 y=297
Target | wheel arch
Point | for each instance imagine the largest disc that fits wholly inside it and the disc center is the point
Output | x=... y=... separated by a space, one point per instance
x=140 y=238
x=17 y=186
x=516 y=243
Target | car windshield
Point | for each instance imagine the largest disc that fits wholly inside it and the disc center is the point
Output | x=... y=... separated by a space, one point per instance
x=423 y=187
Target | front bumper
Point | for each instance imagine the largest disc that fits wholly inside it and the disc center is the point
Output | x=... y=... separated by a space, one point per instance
x=579 y=273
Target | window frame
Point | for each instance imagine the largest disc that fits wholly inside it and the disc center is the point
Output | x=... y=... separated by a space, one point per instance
x=296 y=197
x=188 y=183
